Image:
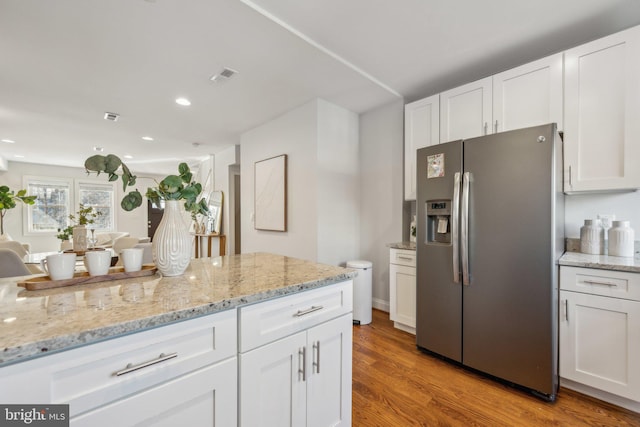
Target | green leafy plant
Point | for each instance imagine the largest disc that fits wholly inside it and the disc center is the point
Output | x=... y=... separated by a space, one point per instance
x=9 y=199
x=65 y=233
x=85 y=215
x=172 y=187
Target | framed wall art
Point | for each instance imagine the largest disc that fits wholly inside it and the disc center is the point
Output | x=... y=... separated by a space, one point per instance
x=270 y=187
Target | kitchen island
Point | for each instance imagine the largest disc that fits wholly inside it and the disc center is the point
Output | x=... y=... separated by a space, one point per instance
x=178 y=344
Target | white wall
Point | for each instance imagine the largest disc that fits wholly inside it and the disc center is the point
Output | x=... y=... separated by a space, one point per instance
x=321 y=142
x=293 y=134
x=223 y=160
x=625 y=206
x=134 y=222
x=381 y=191
x=338 y=204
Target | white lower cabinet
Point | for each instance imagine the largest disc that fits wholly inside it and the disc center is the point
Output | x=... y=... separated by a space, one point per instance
x=288 y=359
x=303 y=376
x=402 y=289
x=146 y=378
x=206 y=397
x=600 y=333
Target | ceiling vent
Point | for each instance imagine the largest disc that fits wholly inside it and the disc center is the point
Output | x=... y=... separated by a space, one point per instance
x=111 y=116
x=223 y=75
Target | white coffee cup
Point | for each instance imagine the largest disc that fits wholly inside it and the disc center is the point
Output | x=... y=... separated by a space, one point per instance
x=97 y=263
x=59 y=266
x=132 y=259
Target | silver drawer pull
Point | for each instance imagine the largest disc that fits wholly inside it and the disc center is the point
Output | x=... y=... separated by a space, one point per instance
x=131 y=367
x=313 y=308
x=406 y=258
x=595 y=282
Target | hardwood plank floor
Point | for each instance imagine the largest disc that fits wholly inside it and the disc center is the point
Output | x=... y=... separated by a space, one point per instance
x=394 y=384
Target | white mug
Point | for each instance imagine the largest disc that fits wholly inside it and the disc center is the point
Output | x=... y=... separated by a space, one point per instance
x=97 y=263
x=59 y=266
x=132 y=259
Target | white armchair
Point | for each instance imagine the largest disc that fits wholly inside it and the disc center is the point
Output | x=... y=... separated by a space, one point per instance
x=106 y=239
x=11 y=264
x=21 y=249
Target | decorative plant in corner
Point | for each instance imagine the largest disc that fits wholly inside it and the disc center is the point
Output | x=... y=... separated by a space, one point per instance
x=8 y=199
x=172 y=241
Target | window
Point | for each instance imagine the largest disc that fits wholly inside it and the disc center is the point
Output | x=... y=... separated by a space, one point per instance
x=51 y=208
x=57 y=199
x=101 y=197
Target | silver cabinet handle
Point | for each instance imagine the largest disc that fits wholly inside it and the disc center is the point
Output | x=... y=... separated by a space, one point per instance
x=455 y=214
x=316 y=349
x=566 y=310
x=406 y=258
x=303 y=353
x=131 y=367
x=464 y=228
x=495 y=127
x=595 y=282
x=313 y=308
x=570 y=180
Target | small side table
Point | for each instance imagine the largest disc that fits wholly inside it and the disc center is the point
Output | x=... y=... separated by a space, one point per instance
x=209 y=237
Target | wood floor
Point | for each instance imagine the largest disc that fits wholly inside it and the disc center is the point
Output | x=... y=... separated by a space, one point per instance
x=394 y=384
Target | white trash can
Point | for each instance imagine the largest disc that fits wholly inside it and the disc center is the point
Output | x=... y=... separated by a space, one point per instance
x=362 y=299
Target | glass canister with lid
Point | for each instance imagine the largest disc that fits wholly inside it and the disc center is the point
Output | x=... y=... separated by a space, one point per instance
x=621 y=239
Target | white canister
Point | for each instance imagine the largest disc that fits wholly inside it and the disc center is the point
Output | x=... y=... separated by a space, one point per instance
x=592 y=237
x=621 y=238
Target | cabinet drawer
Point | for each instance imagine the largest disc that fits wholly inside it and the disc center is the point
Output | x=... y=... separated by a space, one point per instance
x=87 y=377
x=402 y=257
x=268 y=321
x=609 y=283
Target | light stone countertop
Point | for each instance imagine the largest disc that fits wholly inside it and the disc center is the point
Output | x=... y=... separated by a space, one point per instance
x=603 y=262
x=409 y=246
x=36 y=323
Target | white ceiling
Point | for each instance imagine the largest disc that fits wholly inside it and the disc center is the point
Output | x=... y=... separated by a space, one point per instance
x=64 y=63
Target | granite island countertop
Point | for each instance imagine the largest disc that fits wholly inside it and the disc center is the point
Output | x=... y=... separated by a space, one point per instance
x=36 y=323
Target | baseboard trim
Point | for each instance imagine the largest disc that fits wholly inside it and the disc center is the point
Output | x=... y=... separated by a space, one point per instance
x=381 y=305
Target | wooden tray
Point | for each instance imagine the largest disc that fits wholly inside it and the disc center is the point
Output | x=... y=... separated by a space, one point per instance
x=115 y=273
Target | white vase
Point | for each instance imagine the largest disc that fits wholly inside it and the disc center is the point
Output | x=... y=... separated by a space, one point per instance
x=172 y=241
x=79 y=238
x=591 y=237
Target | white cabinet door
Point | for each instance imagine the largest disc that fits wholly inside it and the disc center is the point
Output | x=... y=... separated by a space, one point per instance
x=273 y=387
x=602 y=106
x=600 y=342
x=203 y=398
x=402 y=294
x=466 y=111
x=329 y=378
x=421 y=129
x=528 y=95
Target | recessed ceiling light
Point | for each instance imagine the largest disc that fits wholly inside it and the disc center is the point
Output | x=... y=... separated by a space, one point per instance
x=8 y=141
x=147 y=138
x=128 y=156
x=183 y=101
x=98 y=149
x=19 y=156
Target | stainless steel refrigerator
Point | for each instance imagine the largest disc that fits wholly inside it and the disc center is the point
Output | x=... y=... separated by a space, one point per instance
x=490 y=231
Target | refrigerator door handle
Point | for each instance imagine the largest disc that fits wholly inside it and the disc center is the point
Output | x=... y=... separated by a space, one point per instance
x=464 y=228
x=455 y=233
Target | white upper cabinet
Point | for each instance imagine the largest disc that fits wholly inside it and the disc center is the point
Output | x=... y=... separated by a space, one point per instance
x=528 y=95
x=602 y=114
x=422 y=129
x=466 y=111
